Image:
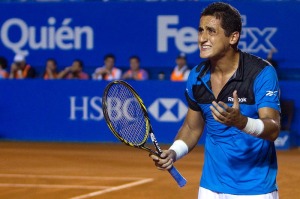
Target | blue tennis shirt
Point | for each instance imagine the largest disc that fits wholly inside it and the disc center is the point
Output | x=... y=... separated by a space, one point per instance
x=236 y=162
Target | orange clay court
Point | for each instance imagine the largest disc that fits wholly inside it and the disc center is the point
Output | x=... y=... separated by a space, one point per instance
x=109 y=171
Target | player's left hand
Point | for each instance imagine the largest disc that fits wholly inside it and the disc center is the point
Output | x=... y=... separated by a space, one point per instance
x=230 y=116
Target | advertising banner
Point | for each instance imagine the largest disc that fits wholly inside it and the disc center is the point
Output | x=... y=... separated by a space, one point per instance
x=71 y=110
x=39 y=110
x=157 y=31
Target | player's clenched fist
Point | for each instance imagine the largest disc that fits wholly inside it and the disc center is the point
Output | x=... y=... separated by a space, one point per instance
x=165 y=161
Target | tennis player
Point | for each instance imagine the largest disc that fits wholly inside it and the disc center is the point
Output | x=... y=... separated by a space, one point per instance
x=234 y=97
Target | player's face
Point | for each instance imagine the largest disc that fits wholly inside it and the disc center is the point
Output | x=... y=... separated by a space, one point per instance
x=134 y=64
x=212 y=41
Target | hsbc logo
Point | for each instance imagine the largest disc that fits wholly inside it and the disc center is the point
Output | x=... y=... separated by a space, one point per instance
x=89 y=108
x=168 y=109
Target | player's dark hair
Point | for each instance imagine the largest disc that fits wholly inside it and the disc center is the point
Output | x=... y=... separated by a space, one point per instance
x=135 y=57
x=80 y=62
x=229 y=16
x=3 y=62
x=112 y=56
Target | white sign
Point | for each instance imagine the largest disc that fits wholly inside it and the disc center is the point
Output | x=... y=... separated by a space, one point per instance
x=253 y=39
x=47 y=37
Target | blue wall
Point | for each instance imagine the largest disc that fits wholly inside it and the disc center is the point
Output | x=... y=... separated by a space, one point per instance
x=155 y=31
x=70 y=110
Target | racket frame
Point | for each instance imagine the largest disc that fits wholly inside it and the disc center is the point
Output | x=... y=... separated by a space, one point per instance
x=181 y=181
x=147 y=120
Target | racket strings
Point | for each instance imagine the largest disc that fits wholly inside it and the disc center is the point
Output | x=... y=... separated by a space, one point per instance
x=126 y=115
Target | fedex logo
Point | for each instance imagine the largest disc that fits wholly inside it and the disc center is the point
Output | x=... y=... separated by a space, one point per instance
x=186 y=38
x=253 y=39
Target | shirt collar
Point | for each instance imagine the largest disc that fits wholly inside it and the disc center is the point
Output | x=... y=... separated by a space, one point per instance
x=238 y=75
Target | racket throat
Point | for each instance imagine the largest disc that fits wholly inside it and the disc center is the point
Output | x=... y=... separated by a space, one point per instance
x=155 y=143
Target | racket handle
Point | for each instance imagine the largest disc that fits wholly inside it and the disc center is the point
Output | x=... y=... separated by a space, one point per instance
x=181 y=181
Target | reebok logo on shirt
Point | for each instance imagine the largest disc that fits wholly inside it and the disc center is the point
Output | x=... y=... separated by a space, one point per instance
x=241 y=100
x=271 y=93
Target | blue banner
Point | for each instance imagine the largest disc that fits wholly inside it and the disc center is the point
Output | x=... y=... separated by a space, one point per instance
x=156 y=32
x=41 y=110
x=71 y=110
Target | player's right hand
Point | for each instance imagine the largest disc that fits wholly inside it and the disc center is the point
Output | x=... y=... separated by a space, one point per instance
x=165 y=161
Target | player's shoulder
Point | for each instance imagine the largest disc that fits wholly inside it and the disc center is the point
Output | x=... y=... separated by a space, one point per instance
x=253 y=62
x=255 y=66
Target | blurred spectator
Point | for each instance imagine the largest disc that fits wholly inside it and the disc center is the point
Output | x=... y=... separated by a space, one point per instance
x=270 y=58
x=108 y=71
x=161 y=76
x=3 y=66
x=181 y=71
x=51 y=69
x=20 y=69
x=74 y=72
x=135 y=72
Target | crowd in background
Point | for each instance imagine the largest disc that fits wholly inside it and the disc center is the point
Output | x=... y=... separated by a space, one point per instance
x=20 y=69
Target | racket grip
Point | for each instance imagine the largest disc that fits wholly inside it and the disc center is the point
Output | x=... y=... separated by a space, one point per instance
x=181 y=181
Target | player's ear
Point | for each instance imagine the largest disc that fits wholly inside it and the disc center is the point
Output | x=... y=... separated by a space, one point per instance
x=234 y=38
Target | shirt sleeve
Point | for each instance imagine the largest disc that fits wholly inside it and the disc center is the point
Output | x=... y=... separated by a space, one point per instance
x=266 y=89
x=192 y=103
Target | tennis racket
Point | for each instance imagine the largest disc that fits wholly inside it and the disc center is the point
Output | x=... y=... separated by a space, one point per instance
x=127 y=118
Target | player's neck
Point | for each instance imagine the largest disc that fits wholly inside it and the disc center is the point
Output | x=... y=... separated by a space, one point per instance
x=226 y=64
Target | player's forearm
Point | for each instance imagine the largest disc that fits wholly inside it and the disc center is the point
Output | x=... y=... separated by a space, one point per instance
x=265 y=128
x=185 y=141
x=271 y=129
x=189 y=136
x=190 y=133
